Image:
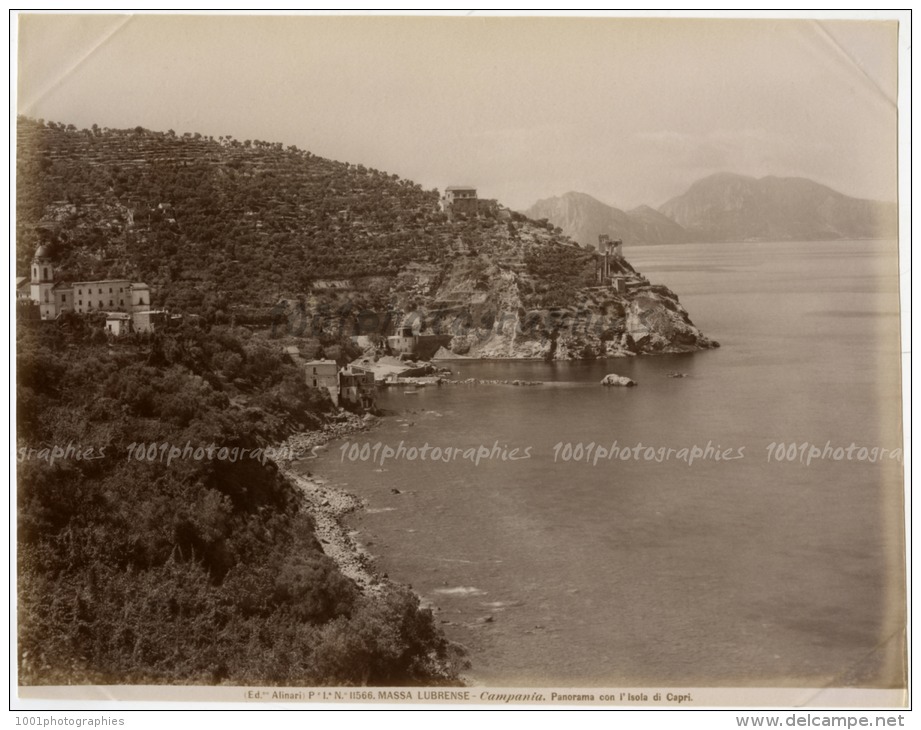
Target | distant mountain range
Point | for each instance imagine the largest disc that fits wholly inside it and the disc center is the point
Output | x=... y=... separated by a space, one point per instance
x=583 y=218
x=726 y=207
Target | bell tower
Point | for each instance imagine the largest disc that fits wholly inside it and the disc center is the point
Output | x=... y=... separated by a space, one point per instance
x=42 y=282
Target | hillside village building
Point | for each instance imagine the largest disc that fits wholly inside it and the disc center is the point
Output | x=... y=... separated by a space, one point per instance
x=608 y=247
x=350 y=386
x=324 y=374
x=463 y=199
x=405 y=343
x=118 y=323
x=357 y=387
x=610 y=251
x=113 y=296
x=460 y=199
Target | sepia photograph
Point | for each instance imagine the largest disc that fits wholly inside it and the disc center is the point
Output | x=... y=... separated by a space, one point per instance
x=517 y=361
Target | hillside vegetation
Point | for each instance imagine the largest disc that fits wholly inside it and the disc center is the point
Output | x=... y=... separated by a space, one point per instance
x=258 y=233
x=220 y=224
x=139 y=564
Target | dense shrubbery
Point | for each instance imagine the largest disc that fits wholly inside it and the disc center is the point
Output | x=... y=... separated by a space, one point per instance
x=560 y=271
x=194 y=571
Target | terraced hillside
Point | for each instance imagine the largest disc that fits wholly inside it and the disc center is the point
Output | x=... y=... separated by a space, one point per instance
x=265 y=233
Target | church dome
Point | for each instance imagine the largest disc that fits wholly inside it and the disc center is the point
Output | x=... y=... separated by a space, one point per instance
x=43 y=252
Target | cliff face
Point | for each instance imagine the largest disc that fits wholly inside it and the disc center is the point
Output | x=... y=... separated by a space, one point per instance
x=498 y=306
x=653 y=321
x=725 y=207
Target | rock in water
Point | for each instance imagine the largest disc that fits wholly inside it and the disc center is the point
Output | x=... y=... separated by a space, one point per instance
x=615 y=379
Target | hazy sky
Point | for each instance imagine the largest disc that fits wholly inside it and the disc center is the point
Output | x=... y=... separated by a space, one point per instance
x=628 y=110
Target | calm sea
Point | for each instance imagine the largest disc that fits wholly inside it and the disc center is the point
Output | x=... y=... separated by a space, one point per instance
x=654 y=571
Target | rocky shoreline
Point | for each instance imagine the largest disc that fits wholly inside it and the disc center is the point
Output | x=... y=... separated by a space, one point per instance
x=328 y=506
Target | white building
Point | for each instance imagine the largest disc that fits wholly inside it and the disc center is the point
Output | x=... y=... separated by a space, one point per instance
x=54 y=297
x=118 y=323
